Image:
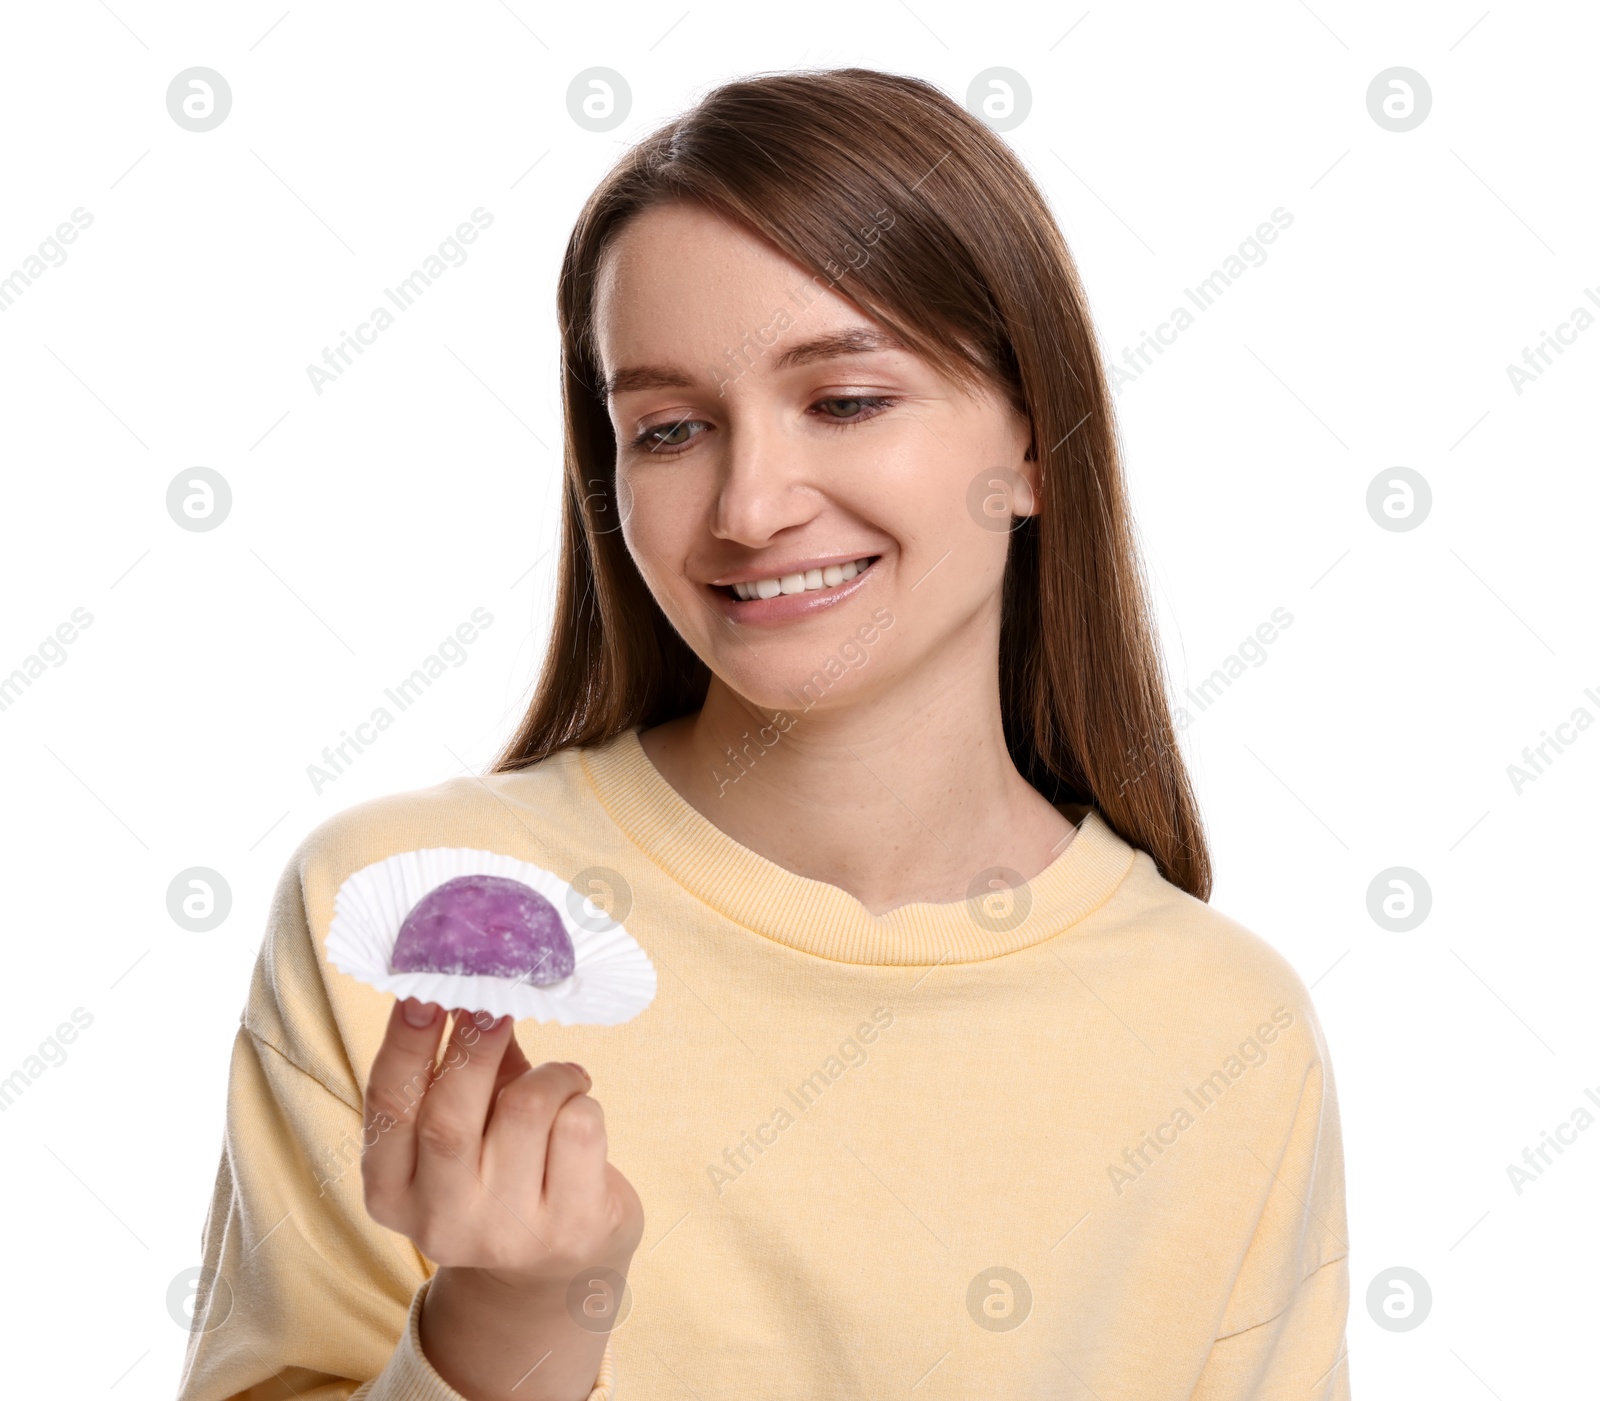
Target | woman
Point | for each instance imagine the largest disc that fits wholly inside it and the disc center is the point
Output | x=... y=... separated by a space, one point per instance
x=954 y=1085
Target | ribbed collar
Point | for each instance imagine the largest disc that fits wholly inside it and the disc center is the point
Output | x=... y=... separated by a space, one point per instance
x=821 y=919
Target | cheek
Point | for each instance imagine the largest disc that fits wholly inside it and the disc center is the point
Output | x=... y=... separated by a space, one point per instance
x=660 y=507
x=939 y=499
x=662 y=521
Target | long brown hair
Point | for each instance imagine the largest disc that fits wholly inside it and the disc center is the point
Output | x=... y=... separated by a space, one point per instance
x=974 y=275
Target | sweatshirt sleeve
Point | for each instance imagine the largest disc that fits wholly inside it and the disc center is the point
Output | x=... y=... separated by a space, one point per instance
x=302 y=1294
x=1282 y=1335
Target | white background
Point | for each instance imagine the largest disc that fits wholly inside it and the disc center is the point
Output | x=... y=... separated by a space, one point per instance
x=370 y=520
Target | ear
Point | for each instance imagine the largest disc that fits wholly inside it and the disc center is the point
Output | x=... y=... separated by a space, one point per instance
x=1026 y=496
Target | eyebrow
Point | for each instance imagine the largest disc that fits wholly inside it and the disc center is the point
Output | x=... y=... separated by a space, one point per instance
x=859 y=340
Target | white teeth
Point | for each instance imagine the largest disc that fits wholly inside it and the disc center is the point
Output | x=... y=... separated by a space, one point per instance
x=826 y=578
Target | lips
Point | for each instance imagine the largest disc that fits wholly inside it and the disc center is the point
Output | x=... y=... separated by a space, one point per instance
x=794 y=593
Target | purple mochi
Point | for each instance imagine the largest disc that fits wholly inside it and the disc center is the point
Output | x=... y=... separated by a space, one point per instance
x=488 y=925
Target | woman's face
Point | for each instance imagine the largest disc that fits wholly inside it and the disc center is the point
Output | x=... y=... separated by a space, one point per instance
x=773 y=440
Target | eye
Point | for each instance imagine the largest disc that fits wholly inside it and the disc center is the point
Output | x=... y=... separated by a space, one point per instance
x=667 y=438
x=851 y=408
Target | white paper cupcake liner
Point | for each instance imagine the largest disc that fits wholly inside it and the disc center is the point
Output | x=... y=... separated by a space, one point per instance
x=612 y=980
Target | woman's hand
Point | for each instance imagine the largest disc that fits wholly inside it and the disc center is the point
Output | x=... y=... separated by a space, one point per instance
x=497 y=1170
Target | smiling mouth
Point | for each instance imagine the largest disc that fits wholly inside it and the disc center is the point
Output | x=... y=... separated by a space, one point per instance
x=811 y=581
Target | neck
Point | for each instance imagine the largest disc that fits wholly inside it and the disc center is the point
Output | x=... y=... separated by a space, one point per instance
x=899 y=796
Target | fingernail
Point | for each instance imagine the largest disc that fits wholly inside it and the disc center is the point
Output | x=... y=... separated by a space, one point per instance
x=417 y=1013
x=581 y=1071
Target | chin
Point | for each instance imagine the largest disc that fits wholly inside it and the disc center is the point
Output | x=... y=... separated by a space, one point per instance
x=829 y=667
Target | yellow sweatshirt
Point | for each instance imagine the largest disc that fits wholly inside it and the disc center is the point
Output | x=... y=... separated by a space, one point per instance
x=1084 y=1145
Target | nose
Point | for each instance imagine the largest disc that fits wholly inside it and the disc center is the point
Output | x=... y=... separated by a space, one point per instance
x=764 y=487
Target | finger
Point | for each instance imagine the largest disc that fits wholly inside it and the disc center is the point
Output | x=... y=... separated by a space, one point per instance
x=512 y=1064
x=575 y=1182
x=519 y=1129
x=451 y=1120
x=399 y=1078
